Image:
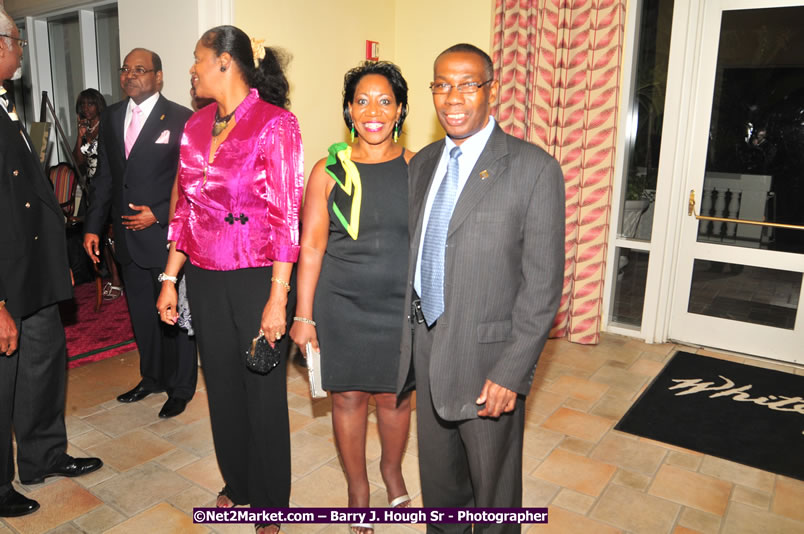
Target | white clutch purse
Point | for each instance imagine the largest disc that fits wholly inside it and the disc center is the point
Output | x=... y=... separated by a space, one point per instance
x=314 y=372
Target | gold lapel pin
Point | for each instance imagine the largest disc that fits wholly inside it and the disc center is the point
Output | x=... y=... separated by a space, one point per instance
x=484 y=174
x=162 y=117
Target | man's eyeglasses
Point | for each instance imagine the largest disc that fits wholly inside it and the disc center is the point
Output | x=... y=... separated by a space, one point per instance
x=23 y=42
x=138 y=71
x=441 y=88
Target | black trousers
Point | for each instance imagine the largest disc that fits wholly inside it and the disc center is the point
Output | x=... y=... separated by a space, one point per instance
x=467 y=463
x=167 y=354
x=32 y=397
x=248 y=411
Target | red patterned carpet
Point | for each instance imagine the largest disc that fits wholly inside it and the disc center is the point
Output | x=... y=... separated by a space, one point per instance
x=95 y=336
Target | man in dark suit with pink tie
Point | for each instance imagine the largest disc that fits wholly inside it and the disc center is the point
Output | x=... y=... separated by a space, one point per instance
x=138 y=153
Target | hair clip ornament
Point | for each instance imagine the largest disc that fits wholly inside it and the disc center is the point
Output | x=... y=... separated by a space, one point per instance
x=258 y=50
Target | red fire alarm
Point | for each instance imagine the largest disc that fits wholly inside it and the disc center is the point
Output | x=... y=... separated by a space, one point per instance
x=372 y=50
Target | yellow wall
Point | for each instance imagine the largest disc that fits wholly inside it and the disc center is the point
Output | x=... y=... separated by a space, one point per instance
x=325 y=39
x=424 y=28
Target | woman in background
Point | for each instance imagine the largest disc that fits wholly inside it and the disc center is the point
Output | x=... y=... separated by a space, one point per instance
x=88 y=108
x=240 y=185
x=351 y=276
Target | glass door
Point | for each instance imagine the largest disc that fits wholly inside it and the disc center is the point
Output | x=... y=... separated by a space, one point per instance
x=741 y=251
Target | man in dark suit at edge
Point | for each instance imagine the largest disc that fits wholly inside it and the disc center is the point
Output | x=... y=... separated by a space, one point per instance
x=138 y=153
x=34 y=277
x=485 y=278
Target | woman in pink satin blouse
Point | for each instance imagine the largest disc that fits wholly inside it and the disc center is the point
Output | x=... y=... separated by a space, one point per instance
x=240 y=185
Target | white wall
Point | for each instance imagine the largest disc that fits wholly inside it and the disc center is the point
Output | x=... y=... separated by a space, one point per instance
x=26 y=8
x=168 y=27
x=172 y=35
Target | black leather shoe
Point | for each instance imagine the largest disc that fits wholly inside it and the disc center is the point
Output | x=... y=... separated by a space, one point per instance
x=14 y=504
x=137 y=394
x=172 y=407
x=70 y=467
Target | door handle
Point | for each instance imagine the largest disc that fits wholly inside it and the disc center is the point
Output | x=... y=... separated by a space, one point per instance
x=691 y=213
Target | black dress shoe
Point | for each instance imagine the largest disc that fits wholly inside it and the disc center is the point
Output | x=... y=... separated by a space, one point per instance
x=69 y=467
x=14 y=504
x=137 y=394
x=172 y=407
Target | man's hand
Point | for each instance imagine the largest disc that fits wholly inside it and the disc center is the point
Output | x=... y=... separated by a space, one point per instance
x=8 y=333
x=497 y=399
x=141 y=221
x=91 y=246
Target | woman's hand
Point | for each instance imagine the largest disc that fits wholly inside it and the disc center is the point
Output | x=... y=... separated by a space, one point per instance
x=302 y=333
x=83 y=126
x=274 y=321
x=166 y=304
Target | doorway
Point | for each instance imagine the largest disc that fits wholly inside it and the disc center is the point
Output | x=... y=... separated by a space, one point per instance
x=737 y=280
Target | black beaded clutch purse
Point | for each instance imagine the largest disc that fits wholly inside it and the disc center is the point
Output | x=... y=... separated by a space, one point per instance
x=261 y=357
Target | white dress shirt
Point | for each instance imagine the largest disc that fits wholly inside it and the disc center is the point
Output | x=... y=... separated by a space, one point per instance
x=146 y=107
x=471 y=148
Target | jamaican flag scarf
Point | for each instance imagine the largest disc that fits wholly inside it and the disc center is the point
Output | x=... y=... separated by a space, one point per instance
x=349 y=195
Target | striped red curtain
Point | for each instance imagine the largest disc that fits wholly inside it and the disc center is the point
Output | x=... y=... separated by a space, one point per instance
x=559 y=62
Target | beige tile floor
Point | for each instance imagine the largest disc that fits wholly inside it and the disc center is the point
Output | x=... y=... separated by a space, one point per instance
x=593 y=478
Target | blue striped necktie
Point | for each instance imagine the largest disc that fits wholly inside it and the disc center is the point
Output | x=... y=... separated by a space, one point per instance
x=435 y=242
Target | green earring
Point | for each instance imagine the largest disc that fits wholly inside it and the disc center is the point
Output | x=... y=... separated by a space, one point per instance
x=396 y=132
x=353 y=133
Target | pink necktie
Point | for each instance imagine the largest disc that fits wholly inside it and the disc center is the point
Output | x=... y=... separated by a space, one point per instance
x=133 y=129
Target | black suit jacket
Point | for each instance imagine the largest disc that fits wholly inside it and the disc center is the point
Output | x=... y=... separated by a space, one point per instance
x=145 y=178
x=34 y=271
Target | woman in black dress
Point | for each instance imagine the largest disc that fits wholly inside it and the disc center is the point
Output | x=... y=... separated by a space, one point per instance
x=351 y=275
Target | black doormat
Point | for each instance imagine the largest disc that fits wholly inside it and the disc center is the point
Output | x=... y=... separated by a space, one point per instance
x=745 y=414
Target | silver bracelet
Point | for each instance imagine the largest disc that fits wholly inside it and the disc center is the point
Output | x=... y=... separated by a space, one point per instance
x=304 y=320
x=163 y=277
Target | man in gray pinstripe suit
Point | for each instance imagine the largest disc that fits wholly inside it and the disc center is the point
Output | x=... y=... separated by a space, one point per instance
x=483 y=298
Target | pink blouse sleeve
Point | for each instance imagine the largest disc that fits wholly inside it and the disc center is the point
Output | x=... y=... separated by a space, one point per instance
x=285 y=176
x=182 y=211
x=176 y=227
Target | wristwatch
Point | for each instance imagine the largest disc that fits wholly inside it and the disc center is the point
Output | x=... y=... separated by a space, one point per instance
x=162 y=277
